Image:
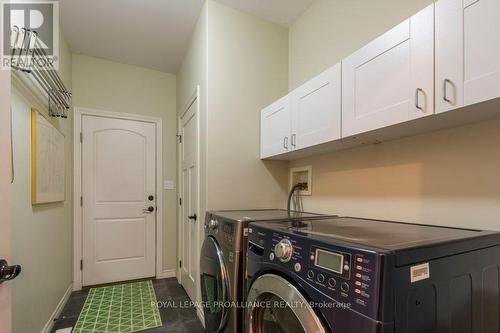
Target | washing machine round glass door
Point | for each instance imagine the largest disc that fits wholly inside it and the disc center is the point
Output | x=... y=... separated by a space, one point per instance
x=214 y=286
x=276 y=306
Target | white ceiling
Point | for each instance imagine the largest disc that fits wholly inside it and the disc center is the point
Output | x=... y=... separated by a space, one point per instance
x=282 y=12
x=151 y=33
x=147 y=33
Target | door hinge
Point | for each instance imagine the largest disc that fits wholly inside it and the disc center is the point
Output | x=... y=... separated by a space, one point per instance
x=180 y=201
x=180 y=263
x=179 y=137
x=81 y=265
x=81 y=201
x=81 y=137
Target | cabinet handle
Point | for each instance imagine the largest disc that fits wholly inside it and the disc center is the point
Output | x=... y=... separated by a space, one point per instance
x=285 y=142
x=417 y=104
x=445 y=97
x=294 y=140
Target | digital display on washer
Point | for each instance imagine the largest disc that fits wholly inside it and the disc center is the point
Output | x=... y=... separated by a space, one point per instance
x=329 y=260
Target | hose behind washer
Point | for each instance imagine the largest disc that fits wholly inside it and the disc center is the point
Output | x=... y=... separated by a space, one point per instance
x=301 y=186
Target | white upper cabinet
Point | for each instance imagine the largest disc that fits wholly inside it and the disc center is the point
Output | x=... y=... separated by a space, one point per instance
x=275 y=123
x=445 y=57
x=390 y=80
x=467 y=52
x=308 y=116
x=316 y=110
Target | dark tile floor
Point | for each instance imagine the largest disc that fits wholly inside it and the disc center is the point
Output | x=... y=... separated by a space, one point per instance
x=176 y=313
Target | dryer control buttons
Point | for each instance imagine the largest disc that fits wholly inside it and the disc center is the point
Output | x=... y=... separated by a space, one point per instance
x=344 y=287
x=284 y=250
x=332 y=282
x=321 y=278
x=310 y=274
x=297 y=267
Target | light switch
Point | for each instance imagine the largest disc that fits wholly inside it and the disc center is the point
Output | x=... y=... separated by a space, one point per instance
x=169 y=184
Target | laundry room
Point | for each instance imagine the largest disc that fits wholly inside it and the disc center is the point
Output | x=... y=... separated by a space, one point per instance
x=249 y=166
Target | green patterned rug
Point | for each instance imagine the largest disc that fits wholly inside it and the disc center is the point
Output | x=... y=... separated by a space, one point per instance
x=123 y=308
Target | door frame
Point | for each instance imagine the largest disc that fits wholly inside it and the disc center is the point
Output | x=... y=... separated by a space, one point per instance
x=77 y=188
x=194 y=98
x=6 y=178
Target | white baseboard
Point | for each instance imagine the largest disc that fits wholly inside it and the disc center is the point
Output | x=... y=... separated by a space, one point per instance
x=201 y=315
x=169 y=273
x=57 y=311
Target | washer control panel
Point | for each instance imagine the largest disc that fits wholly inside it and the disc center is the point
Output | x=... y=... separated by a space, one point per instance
x=223 y=230
x=348 y=275
x=334 y=262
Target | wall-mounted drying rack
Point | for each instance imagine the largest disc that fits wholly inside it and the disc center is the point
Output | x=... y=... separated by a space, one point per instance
x=29 y=56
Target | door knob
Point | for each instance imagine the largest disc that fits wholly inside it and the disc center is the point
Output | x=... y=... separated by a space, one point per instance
x=8 y=272
x=150 y=209
x=193 y=217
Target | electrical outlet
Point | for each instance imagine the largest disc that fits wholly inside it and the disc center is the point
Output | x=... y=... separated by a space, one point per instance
x=302 y=175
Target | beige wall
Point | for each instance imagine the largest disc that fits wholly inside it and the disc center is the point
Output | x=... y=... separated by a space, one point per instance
x=240 y=64
x=41 y=235
x=5 y=175
x=448 y=177
x=247 y=70
x=109 y=86
x=193 y=70
x=332 y=29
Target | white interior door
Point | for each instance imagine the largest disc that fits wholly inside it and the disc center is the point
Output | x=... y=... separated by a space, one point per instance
x=190 y=222
x=5 y=176
x=118 y=187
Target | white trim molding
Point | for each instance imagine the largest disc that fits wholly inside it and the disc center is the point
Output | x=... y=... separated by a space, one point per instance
x=77 y=190
x=168 y=273
x=57 y=311
x=195 y=97
x=201 y=315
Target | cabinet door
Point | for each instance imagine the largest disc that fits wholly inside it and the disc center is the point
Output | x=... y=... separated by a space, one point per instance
x=449 y=55
x=316 y=110
x=390 y=80
x=481 y=50
x=275 y=124
x=467 y=52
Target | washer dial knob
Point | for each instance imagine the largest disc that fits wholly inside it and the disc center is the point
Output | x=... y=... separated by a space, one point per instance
x=284 y=250
x=213 y=224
